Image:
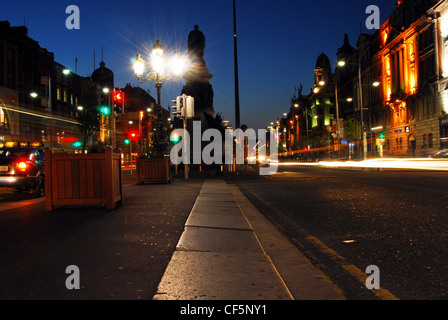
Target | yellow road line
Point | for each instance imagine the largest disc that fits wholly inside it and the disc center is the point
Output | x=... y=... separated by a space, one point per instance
x=354 y=271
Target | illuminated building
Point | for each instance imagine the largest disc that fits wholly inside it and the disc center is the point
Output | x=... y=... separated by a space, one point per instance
x=440 y=13
x=407 y=57
x=322 y=97
x=309 y=121
x=38 y=96
x=139 y=116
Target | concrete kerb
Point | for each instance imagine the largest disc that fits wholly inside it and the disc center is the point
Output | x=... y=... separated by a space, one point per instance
x=303 y=280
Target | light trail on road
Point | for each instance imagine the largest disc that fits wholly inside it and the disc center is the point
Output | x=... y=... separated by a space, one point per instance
x=384 y=163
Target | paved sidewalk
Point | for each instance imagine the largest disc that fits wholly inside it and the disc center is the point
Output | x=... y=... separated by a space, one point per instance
x=230 y=251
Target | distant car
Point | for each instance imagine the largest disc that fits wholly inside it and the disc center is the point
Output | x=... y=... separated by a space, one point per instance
x=23 y=169
x=440 y=154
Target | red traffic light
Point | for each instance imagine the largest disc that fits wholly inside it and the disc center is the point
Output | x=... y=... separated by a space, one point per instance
x=118 y=97
x=133 y=135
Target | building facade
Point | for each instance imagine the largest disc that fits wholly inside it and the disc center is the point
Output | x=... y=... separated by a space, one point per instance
x=406 y=57
x=38 y=97
x=392 y=89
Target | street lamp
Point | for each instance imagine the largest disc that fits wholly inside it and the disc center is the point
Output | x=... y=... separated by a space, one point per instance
x=342 y=63
x=158 y=74
x=178 y=66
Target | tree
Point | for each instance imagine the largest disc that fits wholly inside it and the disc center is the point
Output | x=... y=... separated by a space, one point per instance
x=219 y=123
x=319 y=136
x=351 y=129
x=90 y=117
x=302 y=143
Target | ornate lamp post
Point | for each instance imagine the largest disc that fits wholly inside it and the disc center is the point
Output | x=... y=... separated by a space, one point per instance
x=159 y=75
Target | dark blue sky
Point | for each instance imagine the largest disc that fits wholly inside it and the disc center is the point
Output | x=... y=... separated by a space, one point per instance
x=278 y=42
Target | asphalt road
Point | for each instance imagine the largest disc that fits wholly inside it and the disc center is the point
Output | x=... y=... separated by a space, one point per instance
x=121 y=254
x=345 y=221
x=342 y=221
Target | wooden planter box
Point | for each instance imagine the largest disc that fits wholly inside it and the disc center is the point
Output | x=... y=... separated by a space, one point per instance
x=153 y=170
x=82 y=179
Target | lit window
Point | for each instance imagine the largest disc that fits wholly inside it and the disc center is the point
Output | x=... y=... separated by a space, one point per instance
x=2 y=117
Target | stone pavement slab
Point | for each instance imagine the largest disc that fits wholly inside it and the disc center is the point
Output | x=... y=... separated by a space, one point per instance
x=222 y=255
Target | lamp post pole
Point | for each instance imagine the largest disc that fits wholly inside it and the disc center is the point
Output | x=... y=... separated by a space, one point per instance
x=360 y=103
x=363 y=134
x=237 y=94
x=338 y=132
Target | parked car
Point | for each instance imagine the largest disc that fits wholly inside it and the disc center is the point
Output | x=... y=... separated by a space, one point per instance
x=23 y=169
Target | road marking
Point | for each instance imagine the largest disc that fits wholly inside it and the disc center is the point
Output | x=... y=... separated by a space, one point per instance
x=287 y=273
x=354 y=271
x=382 y=293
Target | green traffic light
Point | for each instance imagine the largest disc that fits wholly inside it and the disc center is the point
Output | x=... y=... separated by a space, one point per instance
x=126 y=141
x=77 y=144
x=382 y=135
x=175 y=138
x=105 y=111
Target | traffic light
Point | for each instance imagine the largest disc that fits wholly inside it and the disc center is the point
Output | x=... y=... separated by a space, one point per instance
x=118 y=101
x=133 y=135
x=105 y=110
x=174 y=138
x=127 y=141
x=382 y=135
x=184 y=106
x=189 y=107
x=177 y=107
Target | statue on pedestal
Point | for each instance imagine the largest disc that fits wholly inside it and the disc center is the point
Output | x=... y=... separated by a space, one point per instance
x=198 y=77
x=196 y=44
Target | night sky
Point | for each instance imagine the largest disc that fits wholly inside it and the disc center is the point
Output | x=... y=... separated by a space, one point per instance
x=278 y=42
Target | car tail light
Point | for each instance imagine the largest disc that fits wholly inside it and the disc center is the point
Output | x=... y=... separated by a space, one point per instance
x=22 y=166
